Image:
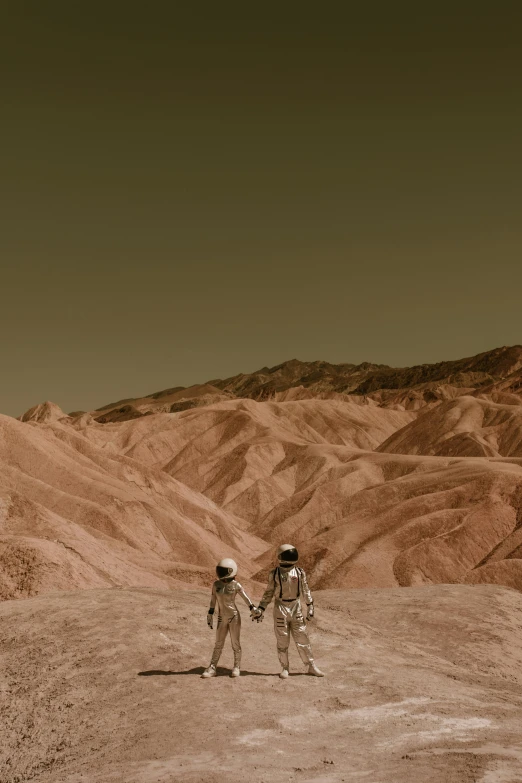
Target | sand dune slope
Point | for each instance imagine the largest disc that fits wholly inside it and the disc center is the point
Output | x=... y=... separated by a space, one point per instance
x=103 y=686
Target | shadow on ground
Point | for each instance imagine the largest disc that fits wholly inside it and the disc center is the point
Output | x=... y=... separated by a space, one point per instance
x=200 y=670
x=221 y=672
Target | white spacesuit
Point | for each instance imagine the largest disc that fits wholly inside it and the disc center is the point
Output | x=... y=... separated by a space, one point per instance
x=224 y=592
x=286 y=584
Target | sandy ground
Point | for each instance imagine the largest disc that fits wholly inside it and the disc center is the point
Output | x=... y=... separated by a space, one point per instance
x=423 y=684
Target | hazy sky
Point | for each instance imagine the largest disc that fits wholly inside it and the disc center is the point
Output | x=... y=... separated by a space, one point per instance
x=189 y=193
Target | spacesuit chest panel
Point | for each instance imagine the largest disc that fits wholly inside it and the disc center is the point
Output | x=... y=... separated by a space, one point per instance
x=287 y=584
x=224 y=589
x=226 y=597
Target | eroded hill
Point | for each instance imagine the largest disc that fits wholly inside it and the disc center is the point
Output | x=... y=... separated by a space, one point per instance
x=396 y=487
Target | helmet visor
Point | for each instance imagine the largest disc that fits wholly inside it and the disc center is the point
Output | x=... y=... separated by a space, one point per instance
x=289 y=556
x=223 y=572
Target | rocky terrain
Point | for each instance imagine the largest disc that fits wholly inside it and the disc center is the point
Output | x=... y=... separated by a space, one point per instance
x=103 y=686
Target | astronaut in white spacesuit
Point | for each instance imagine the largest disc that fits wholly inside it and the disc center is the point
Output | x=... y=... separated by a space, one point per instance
x=286 y=584
x=224 y=592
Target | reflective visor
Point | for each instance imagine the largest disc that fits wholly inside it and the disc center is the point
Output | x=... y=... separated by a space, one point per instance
x=289 y=556
x=223 y=572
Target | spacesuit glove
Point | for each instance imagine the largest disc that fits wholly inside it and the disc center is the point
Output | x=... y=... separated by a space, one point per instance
x=210 y=620
x=310 y=612
x=257 y=614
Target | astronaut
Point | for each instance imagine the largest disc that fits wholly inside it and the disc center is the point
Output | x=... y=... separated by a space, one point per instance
x=286 y=583
x=224 y=592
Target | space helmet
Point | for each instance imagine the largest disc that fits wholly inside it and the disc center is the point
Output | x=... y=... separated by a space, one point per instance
x=226 y=569
x=287 y=555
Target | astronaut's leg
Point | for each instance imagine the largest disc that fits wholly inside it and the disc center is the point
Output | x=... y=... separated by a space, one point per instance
x=221 y=635
x=301 y=638
x=235 y=635
x=282 y=632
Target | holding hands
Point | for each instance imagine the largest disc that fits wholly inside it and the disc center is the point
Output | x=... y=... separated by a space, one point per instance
x=256 y=614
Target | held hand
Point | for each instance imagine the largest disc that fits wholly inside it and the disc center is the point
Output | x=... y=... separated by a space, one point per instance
x=257 y=615
x=310 y=613
x=210 y=619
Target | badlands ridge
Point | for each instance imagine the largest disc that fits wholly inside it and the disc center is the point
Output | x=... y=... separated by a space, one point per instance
x=382 y=477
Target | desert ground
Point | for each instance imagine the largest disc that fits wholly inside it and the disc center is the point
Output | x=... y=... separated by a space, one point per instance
x=422 y=684
x=401 y=488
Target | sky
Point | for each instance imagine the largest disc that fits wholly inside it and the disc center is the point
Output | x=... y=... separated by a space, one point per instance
x=193 y=192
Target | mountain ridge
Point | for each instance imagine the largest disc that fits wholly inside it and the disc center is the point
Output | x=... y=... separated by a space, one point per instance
x=397 y=487
x=497 y=370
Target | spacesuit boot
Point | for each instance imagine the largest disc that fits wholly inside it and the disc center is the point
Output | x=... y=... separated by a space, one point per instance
x=236 y=671
x=282 y=654
x=210 y=672
x=314 y=670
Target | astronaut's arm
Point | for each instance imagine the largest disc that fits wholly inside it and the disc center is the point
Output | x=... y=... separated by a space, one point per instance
x=210 y=613
x=212 y=600
x=306 y=590
x=245 y=597
x=269 y=592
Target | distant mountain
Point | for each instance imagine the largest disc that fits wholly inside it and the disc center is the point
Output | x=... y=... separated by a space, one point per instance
x=317 y=376
x=491 y=372
x=475 y=371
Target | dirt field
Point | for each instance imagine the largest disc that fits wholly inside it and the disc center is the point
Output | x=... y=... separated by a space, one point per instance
x=423 y=684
